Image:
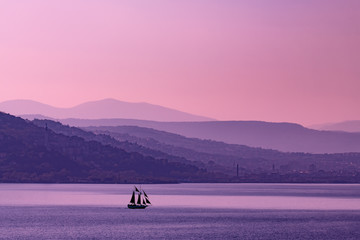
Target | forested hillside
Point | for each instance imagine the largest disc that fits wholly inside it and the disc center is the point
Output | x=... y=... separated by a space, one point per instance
x=29 y=153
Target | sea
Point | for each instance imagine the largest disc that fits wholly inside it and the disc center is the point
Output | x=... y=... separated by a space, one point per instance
x=180 y=211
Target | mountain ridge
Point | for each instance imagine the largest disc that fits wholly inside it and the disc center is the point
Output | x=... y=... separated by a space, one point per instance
x=285 y=137
x=29 y=153
x=256 y=164
x=44 y=151
x=344 y=126
x=105 y=108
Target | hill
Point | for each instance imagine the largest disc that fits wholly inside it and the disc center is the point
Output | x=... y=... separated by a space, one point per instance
x=185 y=158
x=107 y=108
x=346 y=126
x=29 y=153
x=256 y=164
x=226 y=154
x=286 y=137
x=108 y=140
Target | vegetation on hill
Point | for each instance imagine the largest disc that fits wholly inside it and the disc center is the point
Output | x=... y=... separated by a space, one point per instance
x=255 y=164
x=29 y=153
x=224 y=154
x=285 y=137
x=47 y=151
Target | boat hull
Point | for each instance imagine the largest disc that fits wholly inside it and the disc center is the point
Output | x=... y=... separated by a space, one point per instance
x=131 y=206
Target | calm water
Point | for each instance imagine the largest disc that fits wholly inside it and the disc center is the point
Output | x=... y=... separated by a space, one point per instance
x=181 y=211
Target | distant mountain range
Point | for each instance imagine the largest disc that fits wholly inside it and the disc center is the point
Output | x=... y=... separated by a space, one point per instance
x=346 y=126
x=221 y=153
x=286 y=137
x=107 y=108
x=217 y=157
x=47 y=151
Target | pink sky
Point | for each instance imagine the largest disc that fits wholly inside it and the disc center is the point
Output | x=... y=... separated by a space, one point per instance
x=271 y=60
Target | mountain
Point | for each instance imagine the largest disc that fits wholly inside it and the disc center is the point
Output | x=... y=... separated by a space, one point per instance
x=256 y=164
x=29 y=153
x=346 y=126
x=222 y=153
x=105 y=139
x=47 y=151
x=286 y=137
x=107 y=108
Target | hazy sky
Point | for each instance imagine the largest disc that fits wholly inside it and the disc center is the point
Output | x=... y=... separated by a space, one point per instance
x=272 y=60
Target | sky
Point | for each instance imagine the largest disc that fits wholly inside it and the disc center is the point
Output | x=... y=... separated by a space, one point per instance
x=270 y=60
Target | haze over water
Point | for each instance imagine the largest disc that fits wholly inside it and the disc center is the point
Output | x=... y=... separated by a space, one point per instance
x=186 y=211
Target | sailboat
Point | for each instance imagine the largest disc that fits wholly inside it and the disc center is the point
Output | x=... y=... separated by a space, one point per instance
x=142 y=199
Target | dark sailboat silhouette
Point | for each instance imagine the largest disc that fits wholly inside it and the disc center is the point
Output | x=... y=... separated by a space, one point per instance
x=142 y=200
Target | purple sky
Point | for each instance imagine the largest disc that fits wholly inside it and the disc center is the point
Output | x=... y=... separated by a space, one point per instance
x=271 y=60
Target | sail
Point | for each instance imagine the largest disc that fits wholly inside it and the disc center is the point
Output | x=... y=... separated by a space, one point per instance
x=133 y=198
x=139 y=199
x=143 y=202
x=136 y=189
x=145 y=194
x=147 y=201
